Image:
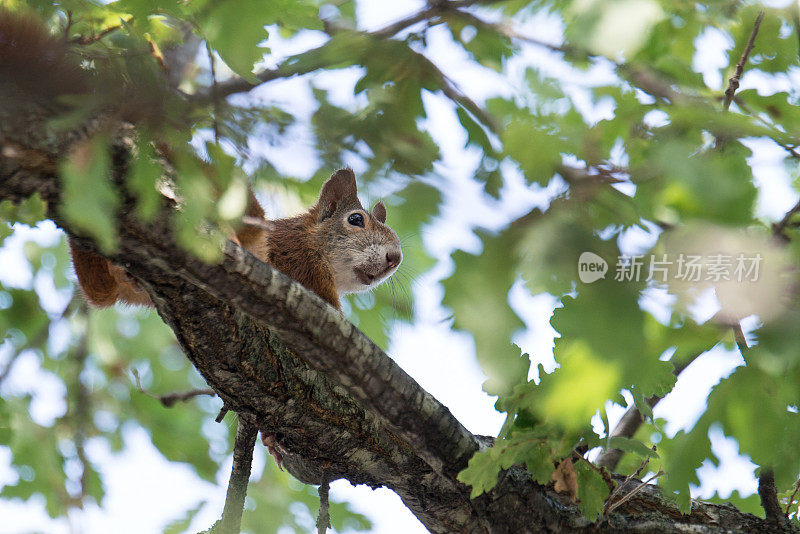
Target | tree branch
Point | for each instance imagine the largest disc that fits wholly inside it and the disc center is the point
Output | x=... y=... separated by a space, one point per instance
x=240 y=476
x=290 y=67
x=779 y=228
x=630 y=423
x=287 y=361
x=733 y=82
x=627 y=427
x=769 y=501
x=169 y=399
x=324 y=518
x=36 y=340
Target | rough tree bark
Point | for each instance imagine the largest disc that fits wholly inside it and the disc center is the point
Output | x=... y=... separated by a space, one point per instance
x=294 y=367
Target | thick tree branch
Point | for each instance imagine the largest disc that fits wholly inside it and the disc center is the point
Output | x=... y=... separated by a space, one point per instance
x=285 y=360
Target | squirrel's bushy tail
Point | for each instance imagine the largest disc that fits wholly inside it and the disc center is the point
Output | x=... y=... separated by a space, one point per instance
x=35 y=65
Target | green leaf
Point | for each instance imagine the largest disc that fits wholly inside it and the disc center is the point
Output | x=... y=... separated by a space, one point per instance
x=481 y=472
x=715 y=185
x=89 y=202
x=28 y=211
x=592 y=491
x=536 y=147
x=181 y=525
x=6 y=431
x=234 y=29
x=143 y=178
x=631 y=445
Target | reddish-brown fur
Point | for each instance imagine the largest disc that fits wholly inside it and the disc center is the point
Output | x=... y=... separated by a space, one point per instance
x=300 y=247
x=35 y=64
x=293 y=249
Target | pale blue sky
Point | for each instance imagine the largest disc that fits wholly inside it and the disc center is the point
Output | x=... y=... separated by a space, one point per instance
x=453 y=375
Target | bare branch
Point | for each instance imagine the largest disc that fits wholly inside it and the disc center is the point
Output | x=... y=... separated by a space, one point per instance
x=452 y=92
x=738 y=336
x=290 y=68
x=769 y=499
x=324 y=518
x=627 y=427
x=169 y=399
x=630 y=423
x=733 y=82
x=39 y=338
x=89 y=39
x=796 y=21
x=792 y=498
x=80 y=409
x=240 y=476
x=511 y=33
x=607 y=508
x=780 y=227
x=221 y=415
x=636 y=490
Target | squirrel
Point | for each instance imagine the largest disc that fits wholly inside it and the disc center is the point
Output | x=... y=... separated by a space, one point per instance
x=335 y=247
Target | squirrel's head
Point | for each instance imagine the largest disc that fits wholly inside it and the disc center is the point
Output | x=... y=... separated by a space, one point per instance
x=361 y=249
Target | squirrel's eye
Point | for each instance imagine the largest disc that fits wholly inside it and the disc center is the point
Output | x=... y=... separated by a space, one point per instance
x=356 y=219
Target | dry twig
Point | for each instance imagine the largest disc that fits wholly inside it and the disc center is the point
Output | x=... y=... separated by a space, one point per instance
x=733 y=82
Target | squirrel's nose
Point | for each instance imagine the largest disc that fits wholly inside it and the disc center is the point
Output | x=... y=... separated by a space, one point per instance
x=392 y=259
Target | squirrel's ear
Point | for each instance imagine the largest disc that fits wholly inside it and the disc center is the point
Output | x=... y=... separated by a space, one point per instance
x=379 y=212
x=340 y=186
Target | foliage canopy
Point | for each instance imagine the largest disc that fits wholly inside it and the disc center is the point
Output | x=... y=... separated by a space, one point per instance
x=621 y=122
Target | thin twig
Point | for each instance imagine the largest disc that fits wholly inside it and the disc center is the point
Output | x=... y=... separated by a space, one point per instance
x=599 y=470
x=240 y=476
x=738 y=336
x=81 y=407
x=511 y=33
x=40 y=337
x=796 y=20
x=452 y=92
x=630 y=423
x=221 y=415
x=733 y=82
x=618 y=489
x=636 y=490
x=68 y=26
x=89 y=39
x=169 y=399
x=256 y=222
x=290 y=68
x=779 y=228
x=791 y=499
x=214 y=95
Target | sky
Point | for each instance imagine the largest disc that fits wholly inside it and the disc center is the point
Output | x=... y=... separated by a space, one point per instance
x=453 y=377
